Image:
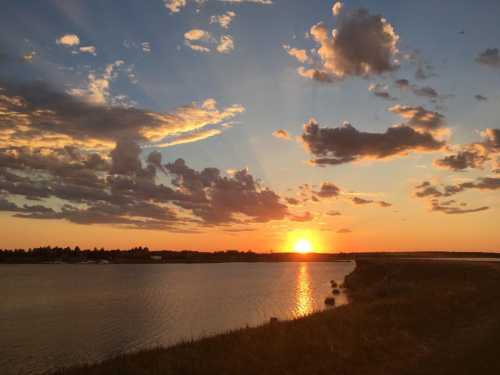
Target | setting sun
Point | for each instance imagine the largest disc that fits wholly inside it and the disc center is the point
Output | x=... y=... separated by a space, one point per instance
x=302 y=246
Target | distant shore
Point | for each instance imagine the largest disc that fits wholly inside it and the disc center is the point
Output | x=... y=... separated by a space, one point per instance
x=406 y=317
x=142 y=255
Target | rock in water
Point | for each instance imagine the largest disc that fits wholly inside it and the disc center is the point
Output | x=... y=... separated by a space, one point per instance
x=330 y=301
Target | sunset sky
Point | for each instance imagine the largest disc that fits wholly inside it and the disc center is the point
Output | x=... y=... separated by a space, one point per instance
x=250 y=124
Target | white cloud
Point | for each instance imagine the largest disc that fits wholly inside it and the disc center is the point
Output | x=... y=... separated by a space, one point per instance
x=68 y=40
x=88 y=49
x=203 y=41
x=175 y=6
x=263 y=2
x=96 y=91
x=226 y=44
x=337 y=8
x=146 y=47
x=224 y=20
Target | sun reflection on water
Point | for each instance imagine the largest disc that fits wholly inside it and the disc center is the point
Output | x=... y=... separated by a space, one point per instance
x=304 y=304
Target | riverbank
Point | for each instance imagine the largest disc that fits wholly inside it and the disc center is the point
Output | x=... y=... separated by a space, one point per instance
x=406 y=317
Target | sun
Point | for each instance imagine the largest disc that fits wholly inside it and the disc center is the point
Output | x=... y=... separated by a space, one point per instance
x=302 y=246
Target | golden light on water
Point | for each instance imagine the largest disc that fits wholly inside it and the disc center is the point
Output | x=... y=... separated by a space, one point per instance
x=304 y=296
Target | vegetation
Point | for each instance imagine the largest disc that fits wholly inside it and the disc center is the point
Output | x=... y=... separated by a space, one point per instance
x=48 y=254
x=407 y=317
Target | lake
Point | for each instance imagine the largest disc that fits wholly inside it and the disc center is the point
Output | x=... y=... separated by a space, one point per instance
x=57 y=315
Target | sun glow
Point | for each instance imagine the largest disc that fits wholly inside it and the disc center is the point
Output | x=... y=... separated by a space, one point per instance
x=303 y=241
x=302 y=246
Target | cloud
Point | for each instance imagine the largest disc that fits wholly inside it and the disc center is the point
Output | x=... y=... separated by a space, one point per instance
x=328 y=190
x=68 y=40
x=424 y=69
x=124 y=191
x=300 y=54
x=292 y=201
x=175 y=6
x=202 y=41
x=344 y=231
x=35 y=115
x=489 y=57
x=422 y=91
x=224 y=20
x=474 y=155
x=217 y=199
x=193 y=37
x=384 y=204
x=426 y=189
x=97 y=88
x=420 y=118
x=306 y=216
x=334 y=213
x=190 y=138
x=226 y=44
x=88 y=49
x=262 y=2
x=361 y=201
x=380 y=91
x=146 y=47
x=454 y=210
x=435 y=194
x=462 y=160
x=362 y=45
x=480 y=98
x=337 y=8
x=344 y=144
x=281 y=133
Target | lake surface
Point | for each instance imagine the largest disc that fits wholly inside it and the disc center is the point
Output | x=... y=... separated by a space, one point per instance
x=60 y=315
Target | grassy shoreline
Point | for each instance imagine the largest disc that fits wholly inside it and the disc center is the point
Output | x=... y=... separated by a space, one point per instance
x=406 y=317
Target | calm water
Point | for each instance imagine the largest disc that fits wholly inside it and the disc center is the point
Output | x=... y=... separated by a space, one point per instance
x=60 y=315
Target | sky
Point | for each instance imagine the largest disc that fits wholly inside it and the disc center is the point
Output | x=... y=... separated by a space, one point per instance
x=250 y=124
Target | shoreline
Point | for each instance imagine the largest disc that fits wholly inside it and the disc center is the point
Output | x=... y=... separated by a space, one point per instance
x=405 y=317
x=198 y=257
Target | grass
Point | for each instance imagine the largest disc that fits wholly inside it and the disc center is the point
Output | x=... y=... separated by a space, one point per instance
x=407 y=317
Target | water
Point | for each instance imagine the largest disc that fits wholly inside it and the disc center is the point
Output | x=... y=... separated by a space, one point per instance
x=61 y=315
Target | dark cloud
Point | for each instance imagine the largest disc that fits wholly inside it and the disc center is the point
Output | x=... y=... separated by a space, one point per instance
x=454 y=210
x=474 y=155
x=334 y=213
x=361 y=45
x=220 y=199
x=361 y=201
x=344 y=231
x=461 y=160
x=36 y=113
x=435 y=194
x=426 y=189
x=384 y=204
x=425 y=91
x=420 y=118
x=125 y=191
x=292 y=201
x=328 y=190
x=333 y=146
x=424 y=69
x=422 y=91
x=306 y=216
x=489 y=57
x=380 y=91
x=402 y=84
x=480 y=98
